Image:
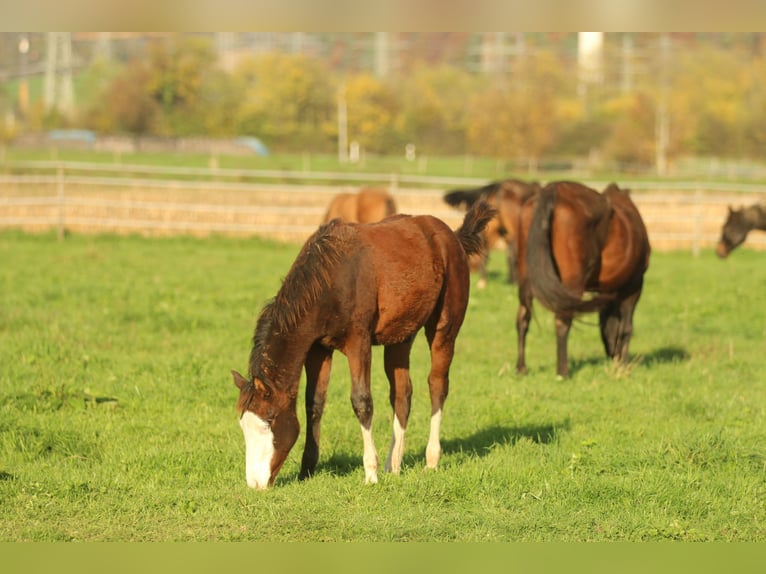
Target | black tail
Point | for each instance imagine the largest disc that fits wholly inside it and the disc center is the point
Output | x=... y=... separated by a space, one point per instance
x=465 y=198
x=475 y=221
x=541 y=267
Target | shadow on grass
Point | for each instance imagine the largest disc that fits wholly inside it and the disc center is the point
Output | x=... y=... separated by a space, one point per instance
x=478 y=444
x=482 y=442
x=656 y=357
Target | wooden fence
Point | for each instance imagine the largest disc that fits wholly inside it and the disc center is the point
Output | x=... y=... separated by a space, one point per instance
x=288 y=206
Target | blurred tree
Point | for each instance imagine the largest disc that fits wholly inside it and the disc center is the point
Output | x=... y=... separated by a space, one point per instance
x=754 y=110
x=287 y=100
x=125 y=105
x=631 y=138
x=520 y=119
x=373 y=108
x=432 y=112
x=710 y=89
x=178 y=69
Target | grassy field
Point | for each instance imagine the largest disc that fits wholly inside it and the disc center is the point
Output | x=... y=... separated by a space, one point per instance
x=118 y=422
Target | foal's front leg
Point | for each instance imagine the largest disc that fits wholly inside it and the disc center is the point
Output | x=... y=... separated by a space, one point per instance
x=318 y=364
x=359 y=359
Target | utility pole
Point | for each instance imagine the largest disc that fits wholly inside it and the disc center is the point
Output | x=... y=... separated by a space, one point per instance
x=342 y=125
x=382 y=53
x=59 y=92
x=590 y=46
x=662 y=121
x=626 y=74
x=23 y=82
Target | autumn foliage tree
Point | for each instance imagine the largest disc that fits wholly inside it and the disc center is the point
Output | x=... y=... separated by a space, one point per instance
x=286 y=99
x=713 y=102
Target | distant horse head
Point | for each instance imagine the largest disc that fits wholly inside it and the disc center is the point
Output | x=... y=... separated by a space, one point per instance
x=739 y=222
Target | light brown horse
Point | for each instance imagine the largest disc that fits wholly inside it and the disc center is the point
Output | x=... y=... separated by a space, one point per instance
x=353 y=286
x=506 y=197
x=366 y=206
x=575 y=240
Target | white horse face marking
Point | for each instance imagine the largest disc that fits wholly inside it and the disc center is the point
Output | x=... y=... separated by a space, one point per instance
x=259 y=450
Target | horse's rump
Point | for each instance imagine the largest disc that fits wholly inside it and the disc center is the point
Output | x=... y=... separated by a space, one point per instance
x=367 y=206
x=625 y=256
x=568 y=229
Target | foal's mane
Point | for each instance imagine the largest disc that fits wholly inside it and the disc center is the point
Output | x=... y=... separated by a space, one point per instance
x=307 y=279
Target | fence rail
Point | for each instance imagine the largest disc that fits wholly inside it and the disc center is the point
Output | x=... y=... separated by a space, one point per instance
x=289 y=205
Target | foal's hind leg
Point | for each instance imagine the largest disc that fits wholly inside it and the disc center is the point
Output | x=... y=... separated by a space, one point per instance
x=318 y=363
x=397 y=364
x=442 y=344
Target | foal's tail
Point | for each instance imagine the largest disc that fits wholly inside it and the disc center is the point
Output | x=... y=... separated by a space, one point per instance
x=475 y=221
x=542 y=271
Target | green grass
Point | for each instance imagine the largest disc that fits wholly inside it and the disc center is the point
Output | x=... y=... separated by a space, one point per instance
x=118 y=422
x=481 y=168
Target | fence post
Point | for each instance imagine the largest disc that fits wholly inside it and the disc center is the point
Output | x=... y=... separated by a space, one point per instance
x=394 y=183
x=61 y=200
x=697 y=221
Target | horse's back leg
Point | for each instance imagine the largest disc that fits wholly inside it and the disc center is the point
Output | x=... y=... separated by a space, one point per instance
x=397 y=365
x=563 y=324
x=523 y=316
x=441 y=340
x=512 y=260
x=359 y=355
x=318 y=364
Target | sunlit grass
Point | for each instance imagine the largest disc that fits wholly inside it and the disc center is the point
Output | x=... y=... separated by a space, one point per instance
x=117 y=417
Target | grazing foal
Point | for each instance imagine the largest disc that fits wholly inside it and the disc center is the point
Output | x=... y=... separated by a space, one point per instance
x=353 y=286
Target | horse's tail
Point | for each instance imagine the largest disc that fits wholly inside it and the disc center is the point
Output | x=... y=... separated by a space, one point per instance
x=474 y=222
x=464 y=198
x=542 y=272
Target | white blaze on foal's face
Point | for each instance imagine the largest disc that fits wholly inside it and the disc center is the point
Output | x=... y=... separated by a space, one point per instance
x=259 y=450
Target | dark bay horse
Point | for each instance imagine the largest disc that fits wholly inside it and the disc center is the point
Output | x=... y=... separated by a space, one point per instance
x=368 y=205
x=738 y=224
x=353 y=286
x=506 y=197
x=575 y=240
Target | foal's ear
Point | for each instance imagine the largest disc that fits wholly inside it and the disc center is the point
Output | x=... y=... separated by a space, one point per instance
x=262 y=388
x=239 y=380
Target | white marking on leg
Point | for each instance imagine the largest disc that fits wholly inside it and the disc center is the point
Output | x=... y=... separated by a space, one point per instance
x=259 y=450
x=396 y=453
x=370 y=457
x=434 y=449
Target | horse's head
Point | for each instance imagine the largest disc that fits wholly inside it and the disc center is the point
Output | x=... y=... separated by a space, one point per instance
x=270 y=426
x=733 y=233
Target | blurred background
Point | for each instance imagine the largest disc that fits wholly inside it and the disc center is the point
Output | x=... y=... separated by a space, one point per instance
x=634 y=102
x=292 y=117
